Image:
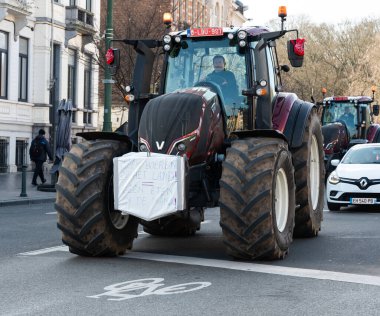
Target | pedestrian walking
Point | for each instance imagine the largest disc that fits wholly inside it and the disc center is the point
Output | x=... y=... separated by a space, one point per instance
x=38 y=152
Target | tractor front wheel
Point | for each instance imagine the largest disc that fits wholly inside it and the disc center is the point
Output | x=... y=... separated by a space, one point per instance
x=257 y=199
x=86 y=216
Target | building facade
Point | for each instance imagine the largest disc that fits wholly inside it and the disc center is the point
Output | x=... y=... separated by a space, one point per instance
x=47 y=55
x=202 y=13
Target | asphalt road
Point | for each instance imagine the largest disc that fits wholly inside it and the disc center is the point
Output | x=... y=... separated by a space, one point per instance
x=337 y=273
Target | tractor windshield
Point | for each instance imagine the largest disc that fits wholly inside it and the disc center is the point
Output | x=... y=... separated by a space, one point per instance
x=209 y=60
x=341 y=111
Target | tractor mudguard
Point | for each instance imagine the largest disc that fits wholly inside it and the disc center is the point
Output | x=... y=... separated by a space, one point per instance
x=296 y=122
x=106 y=135
x=373 y=134
x=259 y=133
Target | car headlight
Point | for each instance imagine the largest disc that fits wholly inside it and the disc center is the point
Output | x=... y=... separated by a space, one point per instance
x=334 y=178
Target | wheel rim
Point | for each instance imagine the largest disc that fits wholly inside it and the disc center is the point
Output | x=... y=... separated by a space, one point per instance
x=281 y=200
x=118 y=220
x=314 y=172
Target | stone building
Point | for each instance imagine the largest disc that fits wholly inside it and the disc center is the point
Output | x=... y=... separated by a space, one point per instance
x=46 y=56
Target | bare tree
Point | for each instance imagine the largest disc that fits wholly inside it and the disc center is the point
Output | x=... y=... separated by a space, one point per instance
x=340 y=58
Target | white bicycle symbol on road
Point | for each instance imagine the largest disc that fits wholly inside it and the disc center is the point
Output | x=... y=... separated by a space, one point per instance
x=143 y=287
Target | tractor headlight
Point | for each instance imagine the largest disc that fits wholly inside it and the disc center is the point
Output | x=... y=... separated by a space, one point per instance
x=230 y=36
x=242 y=35
x=177 y=39
x=242 y=43
x=143 y=148
x=181 y=147
x=167 y=47
x=263 y=83
x=334 y=178
x=167 y=39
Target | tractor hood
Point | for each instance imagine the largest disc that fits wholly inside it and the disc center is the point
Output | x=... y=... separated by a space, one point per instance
x=183 y=122
x=335 y=137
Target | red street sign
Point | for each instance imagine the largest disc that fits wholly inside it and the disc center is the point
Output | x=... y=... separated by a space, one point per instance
x=109 y=56
x=208 y=31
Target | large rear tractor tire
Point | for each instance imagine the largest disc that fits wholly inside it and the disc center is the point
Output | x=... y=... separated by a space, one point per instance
x=257 y=199
x=86 y=216
x=182 y=224
x=309 y=175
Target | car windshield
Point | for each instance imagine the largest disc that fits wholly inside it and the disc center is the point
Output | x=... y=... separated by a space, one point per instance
x=196 y=60
x=362 y=155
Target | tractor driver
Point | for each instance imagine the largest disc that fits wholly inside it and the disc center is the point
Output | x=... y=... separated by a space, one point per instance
x=224 y=78
x=348 y=117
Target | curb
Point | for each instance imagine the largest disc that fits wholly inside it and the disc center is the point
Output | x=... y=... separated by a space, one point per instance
x=26 y=201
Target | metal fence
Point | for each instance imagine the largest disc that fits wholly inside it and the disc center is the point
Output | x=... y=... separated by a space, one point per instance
x=4 y=148
x=21 y=153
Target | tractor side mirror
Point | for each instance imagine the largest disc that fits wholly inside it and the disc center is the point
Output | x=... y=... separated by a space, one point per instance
x=296 y=52
x=375 y=109
x=113 y=60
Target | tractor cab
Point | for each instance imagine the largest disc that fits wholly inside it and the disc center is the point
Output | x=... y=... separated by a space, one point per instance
x=238 y=64
x=347 y=121
x=353 y=112
x=209 y=59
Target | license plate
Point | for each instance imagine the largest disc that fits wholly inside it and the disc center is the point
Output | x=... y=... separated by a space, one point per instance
x=363 y=201
x=208 y=31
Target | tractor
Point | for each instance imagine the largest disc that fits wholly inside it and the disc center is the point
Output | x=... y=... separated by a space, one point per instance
x=347 y=121
x=256 y=152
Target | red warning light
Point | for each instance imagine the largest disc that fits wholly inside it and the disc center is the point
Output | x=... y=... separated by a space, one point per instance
x=110 y=56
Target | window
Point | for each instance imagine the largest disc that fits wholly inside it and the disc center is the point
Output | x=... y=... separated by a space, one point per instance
x=87 y=90
x=71 y=78
x=72 y=3
x=23 y=70
x=3 y=65
x=88 y=5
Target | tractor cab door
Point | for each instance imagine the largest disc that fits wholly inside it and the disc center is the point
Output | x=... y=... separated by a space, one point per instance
x=265 y=69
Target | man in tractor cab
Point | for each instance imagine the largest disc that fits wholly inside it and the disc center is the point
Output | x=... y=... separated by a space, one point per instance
x=348 y=117
x=224 y=78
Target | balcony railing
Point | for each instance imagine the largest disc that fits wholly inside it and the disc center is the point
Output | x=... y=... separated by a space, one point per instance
x=79 y=20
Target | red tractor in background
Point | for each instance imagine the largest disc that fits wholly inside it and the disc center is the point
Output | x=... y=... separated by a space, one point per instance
x=254 y=151
x=347 y=121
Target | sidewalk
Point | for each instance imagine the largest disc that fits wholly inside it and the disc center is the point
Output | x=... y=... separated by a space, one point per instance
x=10 y=189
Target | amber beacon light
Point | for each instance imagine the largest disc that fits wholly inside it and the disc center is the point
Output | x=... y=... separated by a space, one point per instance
x=282 y=12
x=167 y=18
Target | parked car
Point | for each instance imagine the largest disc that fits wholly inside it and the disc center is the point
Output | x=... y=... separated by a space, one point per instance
x=356 y=179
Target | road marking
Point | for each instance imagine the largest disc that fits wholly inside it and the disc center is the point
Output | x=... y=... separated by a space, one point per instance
x=260 y=268
x=241 y=266
x=44 y=251
x=51 y=213
x=143 y=287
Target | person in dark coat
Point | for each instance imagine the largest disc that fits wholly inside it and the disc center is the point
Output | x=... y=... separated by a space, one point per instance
x=224 y=78
x=40 y=158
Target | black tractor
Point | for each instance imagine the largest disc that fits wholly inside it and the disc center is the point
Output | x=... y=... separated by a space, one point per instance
x=219 y=132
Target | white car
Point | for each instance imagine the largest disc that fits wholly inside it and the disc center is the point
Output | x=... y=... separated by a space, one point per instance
x=356 y=179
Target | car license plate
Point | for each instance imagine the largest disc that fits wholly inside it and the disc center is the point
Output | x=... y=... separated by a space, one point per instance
x=363 y=201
